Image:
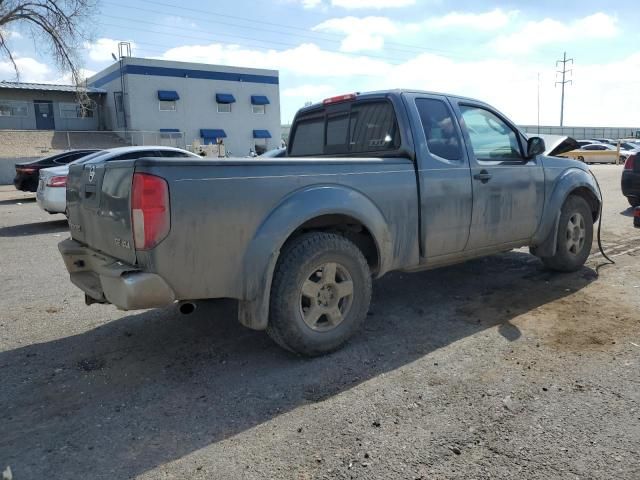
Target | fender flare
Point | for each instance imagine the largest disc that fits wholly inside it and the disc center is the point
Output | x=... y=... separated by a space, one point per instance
x=296 y=209
x=573 y=179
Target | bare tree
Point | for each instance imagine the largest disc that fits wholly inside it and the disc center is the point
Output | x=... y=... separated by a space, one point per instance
x=61 y=26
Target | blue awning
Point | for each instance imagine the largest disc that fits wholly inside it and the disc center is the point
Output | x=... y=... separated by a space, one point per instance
x=168 y=95
x=261 y=134
x=259 y=100
x=212 y=133
x=225 y=98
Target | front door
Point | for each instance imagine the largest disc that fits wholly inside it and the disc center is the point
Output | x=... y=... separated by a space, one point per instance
x=508 y=189
x=444 y=176
x=44 y=114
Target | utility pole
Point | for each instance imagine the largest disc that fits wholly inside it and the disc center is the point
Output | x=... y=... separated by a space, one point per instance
x=564 y=72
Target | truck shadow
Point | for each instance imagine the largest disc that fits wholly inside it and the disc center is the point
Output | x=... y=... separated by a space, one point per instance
x=55 y=225
x=137 y=392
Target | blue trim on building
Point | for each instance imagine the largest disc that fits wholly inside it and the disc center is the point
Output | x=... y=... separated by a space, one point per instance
x=261 y=134
x=225 y=98
x=168 y=95
x=259 y=100
x=185 y=73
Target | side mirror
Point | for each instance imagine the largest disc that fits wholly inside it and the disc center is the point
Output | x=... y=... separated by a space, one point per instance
x=535 y=146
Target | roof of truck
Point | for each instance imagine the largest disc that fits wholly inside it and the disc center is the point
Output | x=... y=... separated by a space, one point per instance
x=395 y=91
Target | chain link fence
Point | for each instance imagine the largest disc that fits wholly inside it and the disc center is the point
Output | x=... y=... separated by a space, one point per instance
x=580 y=133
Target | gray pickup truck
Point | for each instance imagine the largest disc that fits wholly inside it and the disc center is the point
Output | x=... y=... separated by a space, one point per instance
x=393 y=180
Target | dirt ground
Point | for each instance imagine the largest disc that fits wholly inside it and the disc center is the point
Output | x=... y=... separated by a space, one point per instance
x=491 y=369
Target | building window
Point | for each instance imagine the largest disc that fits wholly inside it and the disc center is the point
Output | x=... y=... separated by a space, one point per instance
x=224 y=108
x=167 y=105
x=75 y=110
x=10 y=108
x=259 y=109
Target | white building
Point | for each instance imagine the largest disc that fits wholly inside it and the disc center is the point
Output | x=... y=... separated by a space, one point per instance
x=194 y=101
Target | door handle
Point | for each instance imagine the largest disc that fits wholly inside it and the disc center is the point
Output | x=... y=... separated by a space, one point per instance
x=483 y=176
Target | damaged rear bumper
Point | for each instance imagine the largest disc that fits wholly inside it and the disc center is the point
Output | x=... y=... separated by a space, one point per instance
x=108 y=280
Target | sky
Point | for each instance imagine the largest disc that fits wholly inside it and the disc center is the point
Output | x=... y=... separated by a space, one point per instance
x=503 y=53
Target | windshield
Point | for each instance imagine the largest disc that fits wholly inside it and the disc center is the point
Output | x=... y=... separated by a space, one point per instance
x=88 y=157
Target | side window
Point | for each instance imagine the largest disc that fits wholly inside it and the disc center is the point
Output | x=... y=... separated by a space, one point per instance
x=439 y=128
x=373 y=128
x=174 y=154
x=491 y=138
x=309 y=136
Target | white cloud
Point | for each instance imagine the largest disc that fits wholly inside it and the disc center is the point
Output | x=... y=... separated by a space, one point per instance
x=311 y=3
x=102 y=49
x=309 y=92
x=31 y=70
x=361 y=33
x=308 y=72
x=550 y=31
x=373 y=4
x=304 y=60
x=491 y=20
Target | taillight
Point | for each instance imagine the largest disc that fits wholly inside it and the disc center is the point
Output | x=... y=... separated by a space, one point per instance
x=628 y=165
x=339 y=98
x=60 y=181
x=150 y=213
x=26 y=170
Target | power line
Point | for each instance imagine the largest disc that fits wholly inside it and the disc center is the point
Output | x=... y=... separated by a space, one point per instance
x=564 y=72
x=315 y=36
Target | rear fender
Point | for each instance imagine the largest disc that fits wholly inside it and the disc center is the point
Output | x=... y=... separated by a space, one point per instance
x=301 y=206
x=571 y=181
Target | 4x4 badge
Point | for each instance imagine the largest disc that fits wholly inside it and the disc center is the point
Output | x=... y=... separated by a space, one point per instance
x=92 y=172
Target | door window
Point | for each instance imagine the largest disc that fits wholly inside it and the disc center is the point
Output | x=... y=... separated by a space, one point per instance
x=439 y=128
x=491 y=138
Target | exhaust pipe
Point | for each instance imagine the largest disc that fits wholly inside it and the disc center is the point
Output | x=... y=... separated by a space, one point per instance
x=186 y=308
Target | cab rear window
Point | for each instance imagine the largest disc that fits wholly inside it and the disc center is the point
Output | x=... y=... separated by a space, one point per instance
x=361 y=128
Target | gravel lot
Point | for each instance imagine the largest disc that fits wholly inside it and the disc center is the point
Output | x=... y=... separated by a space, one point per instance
x=491 y=369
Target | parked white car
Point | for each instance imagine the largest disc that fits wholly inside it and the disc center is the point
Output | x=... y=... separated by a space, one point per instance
x=52 y=186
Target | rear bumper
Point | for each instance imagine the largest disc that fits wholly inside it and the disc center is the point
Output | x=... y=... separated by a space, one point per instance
x=26 y=184
x=630 y=183
x=52 y=199
x=108 y=280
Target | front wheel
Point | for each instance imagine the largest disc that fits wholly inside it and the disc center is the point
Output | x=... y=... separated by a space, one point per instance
x=320 y=294
x=575 y=235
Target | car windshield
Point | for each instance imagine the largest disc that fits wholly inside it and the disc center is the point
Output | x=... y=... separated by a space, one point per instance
x=276 y=152
x=87 y=158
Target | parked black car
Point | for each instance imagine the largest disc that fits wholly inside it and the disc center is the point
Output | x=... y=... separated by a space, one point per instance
x=636 y=217
x=631 y=180
x=27 y=173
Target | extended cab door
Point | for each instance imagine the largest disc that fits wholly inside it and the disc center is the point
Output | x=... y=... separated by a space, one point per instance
x=508 y=189
x=443 y=174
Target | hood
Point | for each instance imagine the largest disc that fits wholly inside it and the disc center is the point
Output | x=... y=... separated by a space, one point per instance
x=558 y=144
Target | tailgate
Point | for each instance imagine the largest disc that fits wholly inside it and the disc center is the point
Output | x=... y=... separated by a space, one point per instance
x=98 y=201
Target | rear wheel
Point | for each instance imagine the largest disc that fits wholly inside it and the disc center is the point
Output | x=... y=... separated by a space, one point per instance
x=320 y=294
x=575 y=235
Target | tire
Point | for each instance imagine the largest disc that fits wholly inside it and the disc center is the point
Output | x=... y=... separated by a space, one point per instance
x=575 y=235
x=319 y=320
x=634 y=201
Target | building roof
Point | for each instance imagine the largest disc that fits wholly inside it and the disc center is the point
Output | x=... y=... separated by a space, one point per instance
x=49 y=87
